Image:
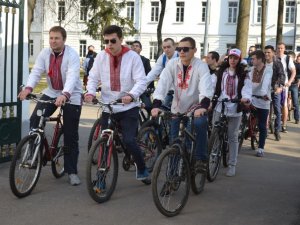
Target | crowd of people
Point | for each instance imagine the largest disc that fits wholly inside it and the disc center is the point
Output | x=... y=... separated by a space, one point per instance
x=185 y=81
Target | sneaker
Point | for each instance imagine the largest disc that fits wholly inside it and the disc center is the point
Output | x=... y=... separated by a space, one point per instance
x=142 y=175
x=260 y=152
x=200 y=166
x=284 y=130
x=74 y=179
x=231 y=171
x=277 y=136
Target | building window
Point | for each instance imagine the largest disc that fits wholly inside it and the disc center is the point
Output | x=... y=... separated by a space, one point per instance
x=258 y=46
x=30 y=47
x=61 y=11
x=289 y=47
x=130 y=10
x=83 y=10
x=203 y=12
x=153 y=50
x=298 y=49
x=259 y=10
x=82 y=48
x=290 y=12
x=179 y=11
x=154 y=11
x=232 y=12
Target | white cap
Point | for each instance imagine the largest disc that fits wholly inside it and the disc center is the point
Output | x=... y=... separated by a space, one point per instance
x=235 y=51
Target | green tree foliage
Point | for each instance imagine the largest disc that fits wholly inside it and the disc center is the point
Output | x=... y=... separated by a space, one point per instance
x=103 y=13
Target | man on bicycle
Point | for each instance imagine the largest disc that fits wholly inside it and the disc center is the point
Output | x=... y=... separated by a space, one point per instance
x=61 y=64
x=191 y=81
x=120 y=70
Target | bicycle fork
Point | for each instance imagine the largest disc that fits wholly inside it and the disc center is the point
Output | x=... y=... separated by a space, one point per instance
x=36 y=143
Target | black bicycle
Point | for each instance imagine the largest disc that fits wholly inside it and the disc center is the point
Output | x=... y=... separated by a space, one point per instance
x=174 y=171
x=102 y=163
x=218 y=143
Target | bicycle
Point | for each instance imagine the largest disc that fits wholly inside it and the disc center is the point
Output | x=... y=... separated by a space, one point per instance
x=102 y=163
x=174 y=172
x=29 y=157
x=218 y=147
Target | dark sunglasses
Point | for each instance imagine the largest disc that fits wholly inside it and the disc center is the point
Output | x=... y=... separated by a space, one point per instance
x=185 y=49
x=113 y=41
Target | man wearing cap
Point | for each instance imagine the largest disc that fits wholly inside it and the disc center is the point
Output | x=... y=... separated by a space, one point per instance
x=233 y=83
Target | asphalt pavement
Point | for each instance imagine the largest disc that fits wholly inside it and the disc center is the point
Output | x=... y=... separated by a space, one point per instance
x=265 y=191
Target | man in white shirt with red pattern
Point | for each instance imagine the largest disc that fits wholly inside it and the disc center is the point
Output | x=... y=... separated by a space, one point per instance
x=61 y=64
x=120 y=71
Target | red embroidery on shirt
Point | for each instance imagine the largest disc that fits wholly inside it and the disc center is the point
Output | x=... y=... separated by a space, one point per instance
x=183 y=83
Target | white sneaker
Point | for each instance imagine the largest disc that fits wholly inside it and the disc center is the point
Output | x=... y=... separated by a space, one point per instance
x=74 y=179
x=260 y=152
x=231 y=171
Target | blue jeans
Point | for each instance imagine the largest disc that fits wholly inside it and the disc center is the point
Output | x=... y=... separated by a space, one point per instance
x=71 y=116
x=200 y=125
x=262 y=117
x=145 y=98
x=276 y=98
x=169 y=99
x=128 y=120
x=295 y=99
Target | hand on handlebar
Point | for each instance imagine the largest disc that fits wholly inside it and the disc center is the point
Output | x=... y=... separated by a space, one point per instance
x=127 y=99
x=200 y=112
x=245 y=101
x=60 y=100
x=88 y=98
x=155 y=112
x=23 y=94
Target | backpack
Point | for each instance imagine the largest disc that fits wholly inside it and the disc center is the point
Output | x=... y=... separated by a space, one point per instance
x=90 y=64
x=165 y=59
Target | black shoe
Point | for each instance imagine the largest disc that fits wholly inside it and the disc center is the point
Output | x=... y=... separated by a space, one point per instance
x=296 y=121
x=284 y=130
x=277 y=136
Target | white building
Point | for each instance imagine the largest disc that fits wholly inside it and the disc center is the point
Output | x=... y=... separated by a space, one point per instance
x=182 y=18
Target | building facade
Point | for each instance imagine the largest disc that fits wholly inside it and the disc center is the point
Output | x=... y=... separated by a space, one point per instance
x=182 y=18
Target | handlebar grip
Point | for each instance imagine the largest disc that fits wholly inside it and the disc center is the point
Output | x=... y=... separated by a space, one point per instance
x=31 y=96
x=95 y=101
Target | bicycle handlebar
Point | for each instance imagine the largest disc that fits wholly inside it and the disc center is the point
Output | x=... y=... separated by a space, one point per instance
x=34 y=98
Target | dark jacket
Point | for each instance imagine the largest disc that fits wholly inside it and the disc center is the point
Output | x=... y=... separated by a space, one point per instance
x=278 y=77
x=147 y=67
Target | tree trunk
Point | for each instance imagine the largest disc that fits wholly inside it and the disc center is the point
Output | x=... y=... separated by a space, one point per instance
x=159 y=27
x=243 y=26
x=279 y=21
x=263 y=24
x=31 y=5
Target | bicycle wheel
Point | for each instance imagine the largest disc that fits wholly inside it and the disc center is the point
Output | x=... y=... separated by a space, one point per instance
x=57 y=163
x=171 y=181
x=254 y=142
x=214 y=157
x=94 y=133
x=271 y=120
x=101 y=170
x=149 y=143
x=241 y=136
x=197 y=182
x=225 y=151
x=24 y=172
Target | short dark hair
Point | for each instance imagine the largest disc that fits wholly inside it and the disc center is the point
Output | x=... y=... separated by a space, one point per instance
x=270 y=47
x=252 y=46
x=215 y=55
x=113 y=29
x=60 y=30
x=291 y=53
x=281 y=43
x=189 y=39
x=137 y=42
x=170 y=39
x=91 y=46
x=259 y=55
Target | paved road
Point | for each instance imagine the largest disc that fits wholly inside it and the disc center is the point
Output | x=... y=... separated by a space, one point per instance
x=265 y=191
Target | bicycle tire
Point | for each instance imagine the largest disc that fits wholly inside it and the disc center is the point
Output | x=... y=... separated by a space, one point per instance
x=271 y=120
x=241 y=136
x=177 y=180
x=17 y=183
x=150 y=146
x=198 y=182
x=97 y=185
x=94 y=133
x=214 y=156
x=225 y=151
x=57 y=163
x=254 y=142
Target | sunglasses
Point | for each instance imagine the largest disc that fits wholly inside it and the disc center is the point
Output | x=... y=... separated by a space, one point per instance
x=185 y=49
x=113 y=41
